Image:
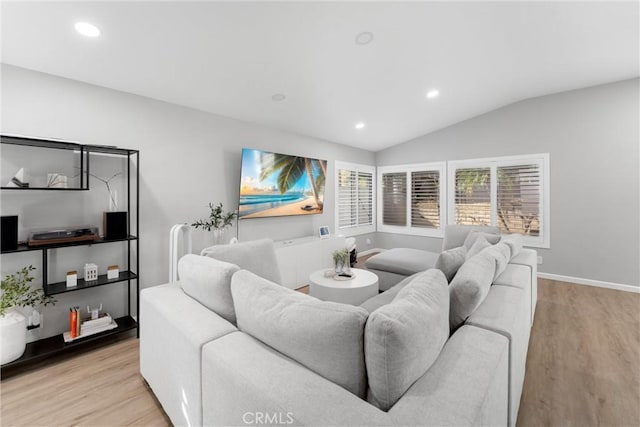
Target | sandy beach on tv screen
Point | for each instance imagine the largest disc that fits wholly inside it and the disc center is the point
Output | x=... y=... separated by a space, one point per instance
x=285 y=210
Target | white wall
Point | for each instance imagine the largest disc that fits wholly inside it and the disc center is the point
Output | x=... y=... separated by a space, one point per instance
x=592 y=136
x=187 y=159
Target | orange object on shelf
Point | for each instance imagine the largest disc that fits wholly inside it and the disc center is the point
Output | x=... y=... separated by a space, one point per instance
x=73 y=321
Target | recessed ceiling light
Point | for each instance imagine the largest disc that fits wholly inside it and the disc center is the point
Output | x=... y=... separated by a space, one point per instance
x=364 y=38
x=359 y=125
x=278 y=97
x=433 y=93
x=87 y=29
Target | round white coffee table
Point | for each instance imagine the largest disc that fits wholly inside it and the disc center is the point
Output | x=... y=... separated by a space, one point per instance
x=355 y=291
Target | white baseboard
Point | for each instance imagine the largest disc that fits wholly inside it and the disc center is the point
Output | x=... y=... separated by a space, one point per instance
x=371 y=251
x=589 y=282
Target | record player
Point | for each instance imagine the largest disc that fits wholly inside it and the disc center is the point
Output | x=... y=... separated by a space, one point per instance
x=63 y=235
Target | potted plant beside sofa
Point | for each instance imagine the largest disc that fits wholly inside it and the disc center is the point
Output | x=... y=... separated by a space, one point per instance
x=16 y=292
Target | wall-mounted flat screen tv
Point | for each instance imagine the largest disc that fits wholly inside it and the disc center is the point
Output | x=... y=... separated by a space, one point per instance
x=274 y=184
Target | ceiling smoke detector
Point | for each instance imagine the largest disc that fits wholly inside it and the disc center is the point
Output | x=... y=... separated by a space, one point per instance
x=364 y=38
x=278 y=97
x=359 y=125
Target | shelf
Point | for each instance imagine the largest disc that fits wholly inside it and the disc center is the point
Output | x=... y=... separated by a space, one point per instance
x=26 y=248
x=42 y=143
x=61 y=287
x=43 y=189
x=48 y=347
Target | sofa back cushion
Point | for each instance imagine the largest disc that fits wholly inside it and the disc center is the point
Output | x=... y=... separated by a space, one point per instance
x=470 y=287
x=404 y=338
x=501 y=253
x=455 y=235
x=514 y=241
x=474 y=235
x=478 y=246
x=257 y=256
x=450 y=261
x=326 y=337
x=208 y=281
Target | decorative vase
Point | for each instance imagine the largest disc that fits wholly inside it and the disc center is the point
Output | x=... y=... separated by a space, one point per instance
x=13 y=330
x=218 y=236
x=113 y=200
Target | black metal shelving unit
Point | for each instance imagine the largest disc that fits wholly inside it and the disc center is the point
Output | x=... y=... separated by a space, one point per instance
x=44 y=348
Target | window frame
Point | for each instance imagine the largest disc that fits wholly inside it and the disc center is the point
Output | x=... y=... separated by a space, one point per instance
x=440 y=167
x=358 y=168
x=542 y=159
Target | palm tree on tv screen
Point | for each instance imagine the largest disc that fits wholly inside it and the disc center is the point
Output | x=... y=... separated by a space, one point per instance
x=290 y=169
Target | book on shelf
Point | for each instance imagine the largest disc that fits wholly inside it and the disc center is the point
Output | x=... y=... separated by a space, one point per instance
x=91 y=327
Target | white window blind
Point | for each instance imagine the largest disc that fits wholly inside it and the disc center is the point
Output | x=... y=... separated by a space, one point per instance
x=425 y=199
x=412 y=199
x=518 y=196
x=394 y=198
x=473 y=196
x=354 y=198
x=509 y=192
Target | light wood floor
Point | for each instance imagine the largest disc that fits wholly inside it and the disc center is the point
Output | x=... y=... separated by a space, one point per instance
x=583 y=369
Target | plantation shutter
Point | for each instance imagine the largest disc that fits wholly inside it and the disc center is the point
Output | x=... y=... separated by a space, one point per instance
x=473 y=196
x=365 y=198
x=394 y=198
x=519 y=199
x=425 y=199
x=355 y=198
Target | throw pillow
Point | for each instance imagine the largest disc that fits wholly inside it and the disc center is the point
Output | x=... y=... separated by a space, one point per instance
x=208 y=281
x=474 y=235
x=478 y=246
x=514 y=241
x=326 y=337
x=257 y=256
x=404 y=338
x=470 y=287
x=501 y=252
x=450 y=261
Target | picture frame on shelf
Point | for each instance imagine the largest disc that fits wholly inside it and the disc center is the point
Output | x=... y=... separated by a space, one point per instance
x=323 y=232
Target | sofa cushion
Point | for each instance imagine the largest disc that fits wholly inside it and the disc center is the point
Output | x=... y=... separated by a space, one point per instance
x=404 y=338
x=326 y=337
x=454 y=234
x=514 y=241
x=470 y=287
x=257 y=256
x=208 y=281
x=474 y=235
x=405 y=261
x=450 y=261
x=502 y=255
x=384 y=298
x=478 y=246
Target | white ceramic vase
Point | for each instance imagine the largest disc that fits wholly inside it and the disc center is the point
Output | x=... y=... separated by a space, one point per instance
x=13 y=333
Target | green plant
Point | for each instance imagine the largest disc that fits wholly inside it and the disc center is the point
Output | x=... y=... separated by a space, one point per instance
x=218 y=219
x=16 y=291
x=341 y=257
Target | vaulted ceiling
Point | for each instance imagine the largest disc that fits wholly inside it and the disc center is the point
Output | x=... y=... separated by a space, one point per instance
x=307 y=67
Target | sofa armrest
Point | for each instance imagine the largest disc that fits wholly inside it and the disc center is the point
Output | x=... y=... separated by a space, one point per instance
x=173 y=329
x=467 y=385
x=246 y=382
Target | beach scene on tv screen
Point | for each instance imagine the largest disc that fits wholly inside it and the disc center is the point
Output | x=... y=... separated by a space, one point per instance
x=274 y=184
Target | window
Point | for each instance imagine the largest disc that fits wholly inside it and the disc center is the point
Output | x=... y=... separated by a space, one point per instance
x=354 y=198
x=411 y=199
x=509 y=192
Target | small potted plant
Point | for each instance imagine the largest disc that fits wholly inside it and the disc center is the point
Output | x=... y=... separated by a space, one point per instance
x=16 y=292
x=217 y=222
x=341 y=261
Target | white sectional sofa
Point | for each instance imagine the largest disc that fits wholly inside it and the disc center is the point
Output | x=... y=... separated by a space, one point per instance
x=281 y=357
